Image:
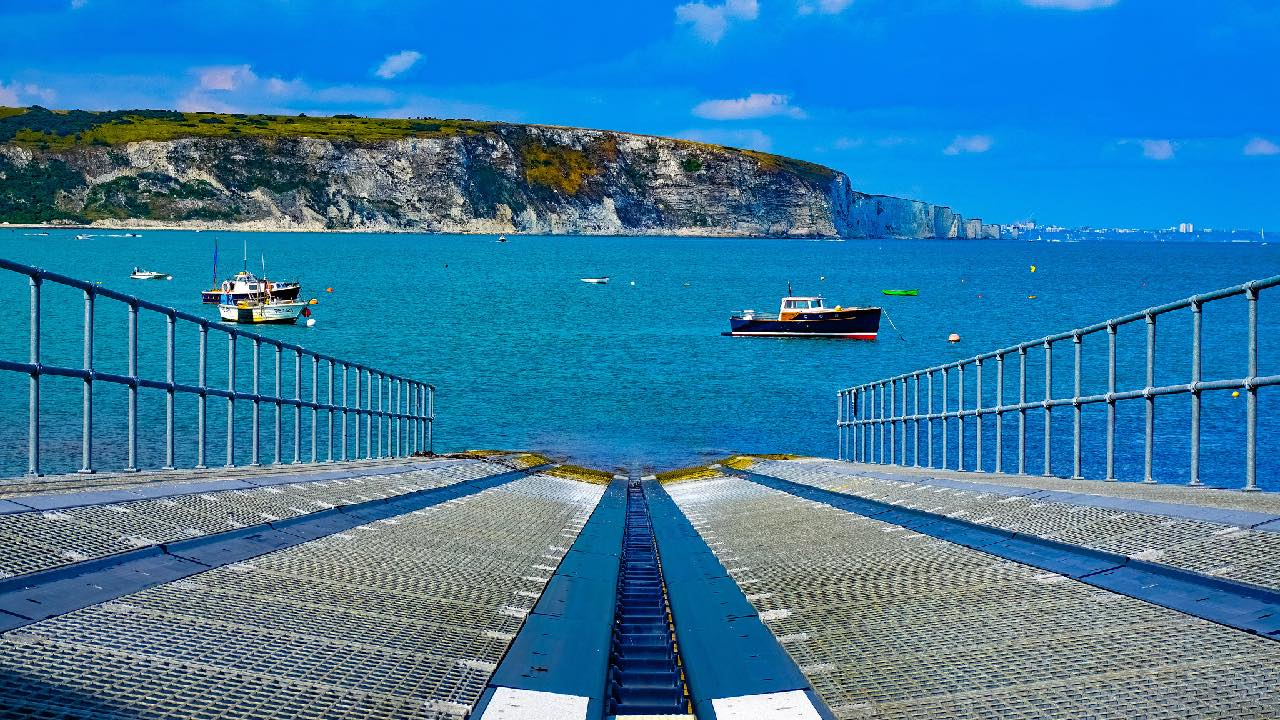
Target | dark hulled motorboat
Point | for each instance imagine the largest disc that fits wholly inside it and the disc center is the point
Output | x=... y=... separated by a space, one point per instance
x=808 y=317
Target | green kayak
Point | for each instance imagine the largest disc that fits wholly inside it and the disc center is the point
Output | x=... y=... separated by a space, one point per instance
x=905 y=293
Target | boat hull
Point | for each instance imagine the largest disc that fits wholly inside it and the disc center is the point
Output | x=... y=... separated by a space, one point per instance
x=279 y=291
x=855 y=324
x=253 y=314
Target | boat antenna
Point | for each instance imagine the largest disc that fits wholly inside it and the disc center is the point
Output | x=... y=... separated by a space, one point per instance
x=215 y=262
x=789 y=293
x=246 y=255
x=895 y=327
x=264 y=264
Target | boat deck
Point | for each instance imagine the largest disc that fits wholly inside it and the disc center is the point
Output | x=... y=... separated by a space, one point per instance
x=798 y=589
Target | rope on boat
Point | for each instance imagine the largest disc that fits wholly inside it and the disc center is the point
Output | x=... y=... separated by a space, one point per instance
x=895 y=327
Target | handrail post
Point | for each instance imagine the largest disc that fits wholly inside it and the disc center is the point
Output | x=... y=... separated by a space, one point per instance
x=346 y=408
x=202 y=400
x=356 y=447
x=893 y=423
x=929 y=422
x=1196 y=335
x=1111 y=402
x=840 y=425
x=977 y=408
x=916 y=422
x=1148 y=455
x=1022 y=410
x=33 y=384
x=231 y=399
x=382 y=450
x=999 y=413
x=1048 y=409
x=368 y=418
x=131 y=448
x=86 y=411
x=315 y=398
x=170 y=399
x=881 y=423
x=431 y=419
x=960 y=417
x=279 y=407
x=297 y=407
x=945 y=420
x=1078 y=409
x=1251 y=411
x=254 y=459
x=329 y=412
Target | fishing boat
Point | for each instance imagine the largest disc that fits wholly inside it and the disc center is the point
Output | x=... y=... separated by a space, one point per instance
x=901 y=293
x=245 y=286
x=262 y=310
x=140 y=274
x=596 y=280
x=808 y=317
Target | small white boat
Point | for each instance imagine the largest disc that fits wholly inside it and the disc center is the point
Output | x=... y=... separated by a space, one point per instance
x=596 y=280
x=139 y=274
x=83 y=237
x=263 y=311
x=502 y=238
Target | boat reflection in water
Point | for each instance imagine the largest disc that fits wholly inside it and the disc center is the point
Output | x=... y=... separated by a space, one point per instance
x=808 y=317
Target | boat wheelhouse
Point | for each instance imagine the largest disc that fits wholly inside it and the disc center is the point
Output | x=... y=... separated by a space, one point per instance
x=245 y=286
x=808 y=316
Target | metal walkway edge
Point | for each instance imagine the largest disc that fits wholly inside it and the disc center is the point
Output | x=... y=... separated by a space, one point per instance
x=38 y=596
x=1234 y=604
x=735 y=667
x=645 y=677
x=558 y=661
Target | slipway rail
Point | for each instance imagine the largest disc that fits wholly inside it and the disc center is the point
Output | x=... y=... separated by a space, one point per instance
x=402 y=409
x=880 y=422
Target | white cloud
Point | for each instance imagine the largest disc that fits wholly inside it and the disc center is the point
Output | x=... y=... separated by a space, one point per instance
x=755 y=105
x=1157 y=149
x=225 y=77
x=1076 y=5
x=824 y=7
x=1256 y=146
x=711 y=21
x=969 y=144
x=20 y=94
x=750 y=139
x=397 y=64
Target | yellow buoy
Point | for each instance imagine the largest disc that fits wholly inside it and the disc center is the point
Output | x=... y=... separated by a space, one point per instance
x=1033 y=268
x=1235 y=394
x=314 y=302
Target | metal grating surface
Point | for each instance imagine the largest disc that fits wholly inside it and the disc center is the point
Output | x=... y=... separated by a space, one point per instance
x=401 y=618
x=35 y=541
x=889 y=623
x=1230 y=552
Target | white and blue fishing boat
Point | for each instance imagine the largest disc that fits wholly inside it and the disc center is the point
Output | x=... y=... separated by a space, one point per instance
x=808 y=316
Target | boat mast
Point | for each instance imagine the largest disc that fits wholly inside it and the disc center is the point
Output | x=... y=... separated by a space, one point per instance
x=246 y=255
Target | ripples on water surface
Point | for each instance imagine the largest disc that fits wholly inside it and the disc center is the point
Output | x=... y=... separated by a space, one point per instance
x=527 y=356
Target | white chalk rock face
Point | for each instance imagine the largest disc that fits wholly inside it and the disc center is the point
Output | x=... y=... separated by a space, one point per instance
x=504 y=179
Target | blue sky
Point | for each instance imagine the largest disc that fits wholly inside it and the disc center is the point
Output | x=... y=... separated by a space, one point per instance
x=1136 y=113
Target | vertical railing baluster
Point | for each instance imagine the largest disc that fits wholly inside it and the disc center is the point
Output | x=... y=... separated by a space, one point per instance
x=170 y=398
x=929 y=421
x=840 y=425
x=945 y=419
x=431 y=419
x=86 y=408
x=279 y=407
x=356 y=454
x=382 y=449
x=297 y=406
x=1077 y=408
x=231 y=399
x=202 y=400
x=1148 y=455
x=916 y=451
x=977 y=409
x=893 y=435
x=903 y=415
x=1111 y=402
x=368 y=417
x=33 y=383
x=1048 y=409
x=960 y=417
x=1196 y=335
x=131 y=448
x=346 y=408
x=1000 y=413
x=396 y=422
x=1022 y=410
x=329 y=412
x=315 y=398
x=881 y=424
x=1251 y=407
x=255 y=455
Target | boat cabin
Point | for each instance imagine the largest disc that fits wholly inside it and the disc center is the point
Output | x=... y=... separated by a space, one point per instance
x=793 y=307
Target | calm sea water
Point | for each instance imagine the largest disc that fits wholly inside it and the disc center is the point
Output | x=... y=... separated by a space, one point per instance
x=635 y=373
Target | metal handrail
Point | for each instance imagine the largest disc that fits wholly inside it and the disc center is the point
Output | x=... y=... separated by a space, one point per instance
x=409 y=412
x=868 y=417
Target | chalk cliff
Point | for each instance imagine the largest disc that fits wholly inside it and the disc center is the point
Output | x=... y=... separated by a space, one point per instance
x=142 y=168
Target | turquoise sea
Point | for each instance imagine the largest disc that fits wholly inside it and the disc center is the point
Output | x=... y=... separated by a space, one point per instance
x=635 y=373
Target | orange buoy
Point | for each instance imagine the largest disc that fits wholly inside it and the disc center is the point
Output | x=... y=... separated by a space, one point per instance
x=328 y=289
